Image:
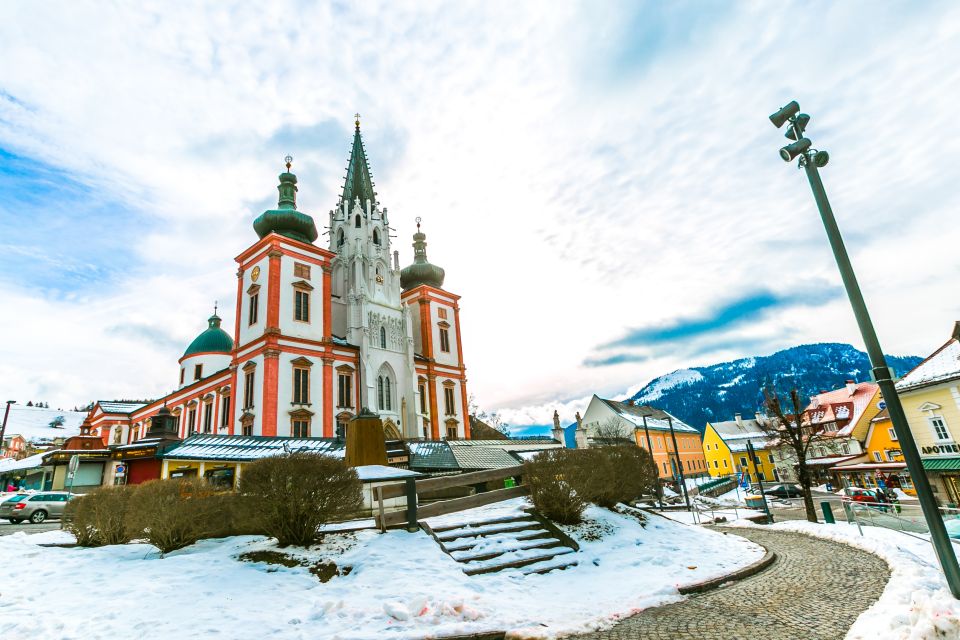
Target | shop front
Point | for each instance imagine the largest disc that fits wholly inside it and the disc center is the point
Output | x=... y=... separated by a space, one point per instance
x=876 y=475
x=944 y=475
x=220 y=474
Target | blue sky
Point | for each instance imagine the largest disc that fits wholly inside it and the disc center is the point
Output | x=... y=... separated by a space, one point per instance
x=600 y=182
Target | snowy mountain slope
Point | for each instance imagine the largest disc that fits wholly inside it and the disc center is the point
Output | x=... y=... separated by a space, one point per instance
x=713 y=393
x=33 y=423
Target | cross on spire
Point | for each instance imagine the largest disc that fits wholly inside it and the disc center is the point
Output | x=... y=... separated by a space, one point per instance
x=357 y=120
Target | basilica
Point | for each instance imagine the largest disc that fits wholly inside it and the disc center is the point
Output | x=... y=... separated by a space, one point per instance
x=319 y=333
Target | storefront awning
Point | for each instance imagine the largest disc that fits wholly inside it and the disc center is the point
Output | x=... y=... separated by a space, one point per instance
x=941 y=464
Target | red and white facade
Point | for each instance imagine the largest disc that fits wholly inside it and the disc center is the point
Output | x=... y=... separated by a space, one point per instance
x=319 y=333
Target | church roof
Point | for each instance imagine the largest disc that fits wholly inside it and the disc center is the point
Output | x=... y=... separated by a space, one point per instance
x=214 y=339
x=358 y=184
x=421 y=271
x=285 y=220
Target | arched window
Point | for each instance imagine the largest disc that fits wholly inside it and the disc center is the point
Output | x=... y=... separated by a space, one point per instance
x=380 y=393
x=376 y=237
x=383 y=337
x=340 y=238
x=356 y=221
x=386 y=393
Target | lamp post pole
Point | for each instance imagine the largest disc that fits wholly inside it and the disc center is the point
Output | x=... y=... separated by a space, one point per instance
x=3 y=427
x=676 y=451
x=811 y=160
x=646 y=430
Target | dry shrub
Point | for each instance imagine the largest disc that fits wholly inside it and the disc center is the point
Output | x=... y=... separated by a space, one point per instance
x=172 y=514
x=291 y=496
x=553 y=476
x=99 y=517
x=619 y=473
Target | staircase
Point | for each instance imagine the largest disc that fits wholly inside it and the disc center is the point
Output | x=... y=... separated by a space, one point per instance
x=525 y=542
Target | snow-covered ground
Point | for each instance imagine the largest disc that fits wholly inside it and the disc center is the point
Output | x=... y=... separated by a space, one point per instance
x=916 y=604
x=401 y=585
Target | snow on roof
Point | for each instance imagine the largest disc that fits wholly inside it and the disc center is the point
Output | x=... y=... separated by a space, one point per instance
x=376 y=472
x=33 y=423
x=205 y=447
x=657 y=419
x=30 y=462
x=110 y=406
x=942 y=365
x=836 y=405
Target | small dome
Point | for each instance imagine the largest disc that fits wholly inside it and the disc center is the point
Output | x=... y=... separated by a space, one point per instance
x=214 y=339
x=421 y=271
x=285 y=219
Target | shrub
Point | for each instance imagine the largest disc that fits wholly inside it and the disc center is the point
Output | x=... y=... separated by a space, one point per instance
x=291 y=496
x=172 y=514
x=619 y=473
x=99 y=517
x=552 y=477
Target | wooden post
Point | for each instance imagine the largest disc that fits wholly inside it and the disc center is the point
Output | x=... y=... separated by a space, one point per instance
x=411 y=504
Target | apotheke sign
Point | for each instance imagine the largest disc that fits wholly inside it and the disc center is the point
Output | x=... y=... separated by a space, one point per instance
x=940 y=449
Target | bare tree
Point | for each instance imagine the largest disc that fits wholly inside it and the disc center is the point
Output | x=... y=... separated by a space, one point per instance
x=790 y=429
x=611 y=431
x=491 y=419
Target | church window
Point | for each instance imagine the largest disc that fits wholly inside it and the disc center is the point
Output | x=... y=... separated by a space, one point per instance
x=183 y=372
x=301 y=385
x=444 y=340
x=254 y=308
x=442 y=313
x=423 y=399
x=207 y=417
x=356 y=221
x=300 y=428
x=376 y=239
x=345 y=391
x=248 y=429
x=225 y=411
x=197 y=371
x=384 y=394
x=248 y=390
x=451 y=432
x=448 y=403
x=192 y=421
x=340 y=238
x=301 y=310
x=383 y=338
x=341 y=428
x=301 y=270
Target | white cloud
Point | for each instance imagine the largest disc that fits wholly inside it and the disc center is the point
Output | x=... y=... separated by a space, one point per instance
x=571 y=190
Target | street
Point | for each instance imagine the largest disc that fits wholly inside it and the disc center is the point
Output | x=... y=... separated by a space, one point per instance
x=6 y=528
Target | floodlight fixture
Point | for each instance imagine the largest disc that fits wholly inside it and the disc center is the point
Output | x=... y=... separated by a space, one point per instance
x=821 y=158
x=799 y=124
x=791 y=151
x=785 y=113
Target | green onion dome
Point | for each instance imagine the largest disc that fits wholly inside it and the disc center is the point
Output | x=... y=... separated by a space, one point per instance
x=214 y=339
x=285 y=219
x=421 y=271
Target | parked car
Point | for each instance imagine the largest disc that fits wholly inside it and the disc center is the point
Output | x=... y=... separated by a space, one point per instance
x=784 y=491
x=36 y=508
x=953 y=528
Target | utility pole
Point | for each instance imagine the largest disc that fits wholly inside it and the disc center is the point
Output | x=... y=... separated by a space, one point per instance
x=756 y=470
x=3 y=427
x=811 y=160
x=676 y=452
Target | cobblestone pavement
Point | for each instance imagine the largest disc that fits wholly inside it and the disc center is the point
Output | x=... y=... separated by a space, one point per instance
x=814 y=590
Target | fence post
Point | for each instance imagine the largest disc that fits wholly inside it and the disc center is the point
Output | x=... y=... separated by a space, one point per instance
x=827 y=512
x=411 y=504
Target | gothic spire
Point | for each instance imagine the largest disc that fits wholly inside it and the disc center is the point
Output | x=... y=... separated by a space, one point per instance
x=359 y=184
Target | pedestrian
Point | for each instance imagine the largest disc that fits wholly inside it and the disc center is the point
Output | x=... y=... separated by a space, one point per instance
x=10 y=487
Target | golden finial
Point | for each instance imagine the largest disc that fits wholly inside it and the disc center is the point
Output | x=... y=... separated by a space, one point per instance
x=289 y=161
x=357 y=120
x=418 y=224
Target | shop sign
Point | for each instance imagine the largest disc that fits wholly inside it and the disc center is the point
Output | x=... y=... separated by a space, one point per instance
x=940 y=449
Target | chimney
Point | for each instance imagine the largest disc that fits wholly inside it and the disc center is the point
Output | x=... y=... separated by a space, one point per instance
x=814 y=401
x=760 y=418
x=851 y=387
x=739 y=419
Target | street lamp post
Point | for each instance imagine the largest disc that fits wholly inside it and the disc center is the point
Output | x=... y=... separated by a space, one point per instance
x=646 y=430
x=676 y=451
x=811 y=160
x=3 y=427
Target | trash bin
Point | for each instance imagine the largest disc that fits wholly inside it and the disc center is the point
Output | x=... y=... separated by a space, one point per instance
x=755 y=502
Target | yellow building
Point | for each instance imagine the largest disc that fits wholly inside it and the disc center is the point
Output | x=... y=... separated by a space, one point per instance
x=881 y=462
x=725 y=449
x=930 y=394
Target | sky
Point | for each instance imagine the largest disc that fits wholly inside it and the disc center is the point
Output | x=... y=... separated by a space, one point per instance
x=599 y=180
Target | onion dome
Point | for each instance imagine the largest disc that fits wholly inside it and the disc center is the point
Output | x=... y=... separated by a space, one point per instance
x=421 y=271
x=214 y=339
x=285 y=219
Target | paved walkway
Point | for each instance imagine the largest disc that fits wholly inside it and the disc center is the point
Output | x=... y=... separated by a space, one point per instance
x=814 y=590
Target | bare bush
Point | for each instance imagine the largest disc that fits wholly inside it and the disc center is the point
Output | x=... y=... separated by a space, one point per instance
x=99 y=517
x=616 y=474
x=172 y=514
x=291 y=496
x=552 y=476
